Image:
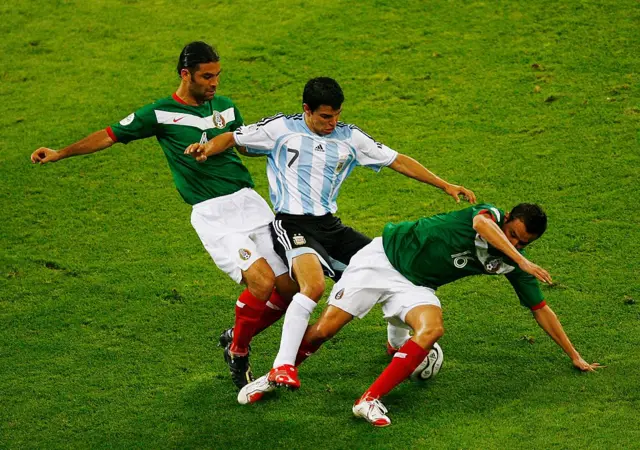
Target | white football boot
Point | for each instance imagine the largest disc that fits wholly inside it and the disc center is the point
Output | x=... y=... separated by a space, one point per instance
x=371 y=410
x=254 y=391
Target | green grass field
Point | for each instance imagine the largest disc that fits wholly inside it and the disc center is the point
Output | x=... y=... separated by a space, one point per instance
x=110 y=308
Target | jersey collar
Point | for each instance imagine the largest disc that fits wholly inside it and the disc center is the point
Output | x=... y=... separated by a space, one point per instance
x=178 y=99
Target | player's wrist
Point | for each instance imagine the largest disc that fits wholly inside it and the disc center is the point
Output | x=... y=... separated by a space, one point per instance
x=445 y=186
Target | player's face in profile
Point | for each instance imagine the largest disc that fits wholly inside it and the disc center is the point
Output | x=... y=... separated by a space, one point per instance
x=204 y=81
x=323 y=120
x=516 y=232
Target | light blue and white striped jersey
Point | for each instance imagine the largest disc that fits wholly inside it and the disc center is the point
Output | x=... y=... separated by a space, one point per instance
x=306 y=170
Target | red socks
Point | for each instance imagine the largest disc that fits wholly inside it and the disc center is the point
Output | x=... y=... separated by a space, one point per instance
x=253 y=316
x=306 y=349
x=403 y=363
x=248 y=312
x=276 y=307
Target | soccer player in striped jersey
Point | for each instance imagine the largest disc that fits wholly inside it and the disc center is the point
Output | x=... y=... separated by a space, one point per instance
x=231 y=219
x=402 y=270
x=309 y=156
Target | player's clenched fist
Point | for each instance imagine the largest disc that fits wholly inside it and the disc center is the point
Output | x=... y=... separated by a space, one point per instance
x=197 y=151
x=44 y=155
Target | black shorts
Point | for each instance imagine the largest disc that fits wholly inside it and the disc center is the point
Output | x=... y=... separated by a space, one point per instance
x=325 y=236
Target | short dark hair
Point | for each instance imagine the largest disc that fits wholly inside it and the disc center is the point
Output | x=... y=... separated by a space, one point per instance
x=194 y=54
x=322 y=91
x=533 y=217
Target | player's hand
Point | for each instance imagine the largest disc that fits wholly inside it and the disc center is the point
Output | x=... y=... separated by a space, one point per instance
x=44 y=155
x=456 y=191
x=197 y=151
x=536 y=271
x=584 y=366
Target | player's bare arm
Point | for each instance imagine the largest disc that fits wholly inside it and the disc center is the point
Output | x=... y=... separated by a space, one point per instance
x=94 y=142
x=488 y=229
x=215 y=146
x=413 y=169
x=549 y=322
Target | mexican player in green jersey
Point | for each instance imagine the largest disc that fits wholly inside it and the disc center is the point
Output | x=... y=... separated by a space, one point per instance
x=231 y=219
x=402 y=270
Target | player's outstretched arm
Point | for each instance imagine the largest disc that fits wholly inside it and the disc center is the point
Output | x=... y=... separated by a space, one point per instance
x=218 y=144
x=413 y=169
x=549 y=322
x=490 y=230
x=94 y=142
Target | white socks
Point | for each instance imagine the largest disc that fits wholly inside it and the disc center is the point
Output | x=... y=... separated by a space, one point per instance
x=295 y=324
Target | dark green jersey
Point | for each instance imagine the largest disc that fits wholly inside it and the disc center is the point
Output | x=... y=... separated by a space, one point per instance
x=176 y=125
x=440 y=249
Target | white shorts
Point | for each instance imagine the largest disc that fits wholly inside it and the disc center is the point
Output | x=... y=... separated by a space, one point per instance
x=370 y=279
x=235 y=231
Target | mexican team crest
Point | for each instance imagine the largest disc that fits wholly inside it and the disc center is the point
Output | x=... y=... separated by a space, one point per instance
x=218 y=120
x=493 y=265
x=244 y=254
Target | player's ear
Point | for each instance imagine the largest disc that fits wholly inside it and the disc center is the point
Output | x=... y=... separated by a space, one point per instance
x=306 y=109
x=185 y=74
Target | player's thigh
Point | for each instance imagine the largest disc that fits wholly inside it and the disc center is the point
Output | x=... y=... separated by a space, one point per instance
x=292 y=239
x=233 y=254
x=308 y=273
x=259 y=278
x=264 y=244
x=415 y=306
x=351 y=293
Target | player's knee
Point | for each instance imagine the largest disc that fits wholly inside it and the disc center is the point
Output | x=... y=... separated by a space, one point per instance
x=313 y=289
x=261 y=285
x=428 y=336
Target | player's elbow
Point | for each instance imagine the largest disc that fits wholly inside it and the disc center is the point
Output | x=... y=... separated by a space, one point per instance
x=479 y=222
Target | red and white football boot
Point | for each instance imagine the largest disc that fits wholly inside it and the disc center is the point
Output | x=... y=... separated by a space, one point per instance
x=285 y=375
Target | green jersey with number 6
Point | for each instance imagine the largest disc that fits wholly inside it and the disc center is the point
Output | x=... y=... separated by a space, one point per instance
x=437 y=250
x=176 y=125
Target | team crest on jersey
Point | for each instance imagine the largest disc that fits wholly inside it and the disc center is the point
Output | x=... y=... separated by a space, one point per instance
x=127 y=120
x=339 y=294
x=299 y=239
x=218 y=120
x=244 y=254
x=341 y=163
x=493 y=265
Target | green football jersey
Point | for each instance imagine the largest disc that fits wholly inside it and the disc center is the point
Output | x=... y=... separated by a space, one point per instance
x=176 y=125
x=440 y=249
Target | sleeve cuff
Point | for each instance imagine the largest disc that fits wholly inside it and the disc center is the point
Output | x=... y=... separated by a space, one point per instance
x=487 y=212
x=540 y=305
x=111 y=134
